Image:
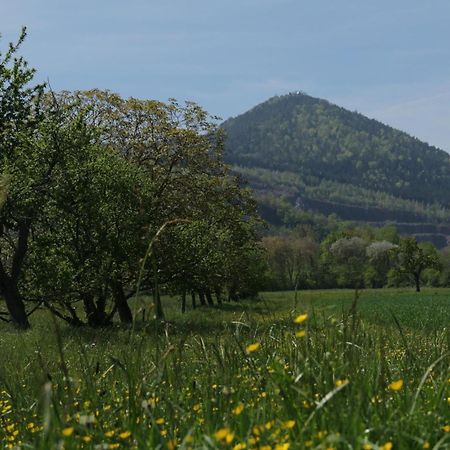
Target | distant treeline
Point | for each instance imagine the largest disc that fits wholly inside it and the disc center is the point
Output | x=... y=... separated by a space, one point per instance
x=352 y=257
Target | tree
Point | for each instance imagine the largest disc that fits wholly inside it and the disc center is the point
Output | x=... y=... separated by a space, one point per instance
x=379 y=254
x=3 y=189
x=28 y=168
x=291 y=260
x=413 y=259
x=350 y=258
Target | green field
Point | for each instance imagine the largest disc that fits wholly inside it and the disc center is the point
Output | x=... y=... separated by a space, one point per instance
x=374 y=374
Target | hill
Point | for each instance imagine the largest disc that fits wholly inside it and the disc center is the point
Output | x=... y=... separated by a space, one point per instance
x=304 y=155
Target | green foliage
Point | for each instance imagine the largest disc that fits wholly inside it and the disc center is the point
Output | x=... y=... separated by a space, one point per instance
x=94 y=189
x=414 y=258
x=25 y=170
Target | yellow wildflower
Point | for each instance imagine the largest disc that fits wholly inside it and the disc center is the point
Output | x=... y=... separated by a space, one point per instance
x=284 y=446
x=238 y=410
x=253 y=347
x=301 y=318
x=289 y=424
x=67 y=432
x=387 y=446
x=300 y=333
x=240 y=447
x=224 y=434
x=396 y=385
x=172 y=444
x=125 y=434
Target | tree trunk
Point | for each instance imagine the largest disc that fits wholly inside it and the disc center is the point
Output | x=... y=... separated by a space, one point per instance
x=417 y=281
x=8 y=282
x=158 y=305
x=193 y=300
x=232 y=294
x=183 y=302
x=209 y=298
x=156 y=294
x=125 y=314
x=201 y=296
x=14 y=304
x=218 y=293
x=95 y=311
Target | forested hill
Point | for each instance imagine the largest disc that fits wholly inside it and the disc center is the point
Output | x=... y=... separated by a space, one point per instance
x=311 y=151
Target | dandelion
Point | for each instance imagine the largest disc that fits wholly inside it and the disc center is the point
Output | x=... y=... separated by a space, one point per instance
x=289 y=424
x=300 y=333
x=446 y=429
x=172 y=444
x=67 y=432
x=238 y=410
x=240 y=446
x=125 y=435
x=426 y=445
x=340 y=382
x=396 y=385
x=253 y=347
x=284 y=446
x=387 y=446
x=367 y=446
x=301 y=318
x=224 y=434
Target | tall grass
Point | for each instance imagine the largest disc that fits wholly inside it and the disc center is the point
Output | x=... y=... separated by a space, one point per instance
x=336 y=380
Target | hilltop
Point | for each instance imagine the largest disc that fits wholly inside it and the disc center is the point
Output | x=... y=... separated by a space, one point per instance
x=304 y=155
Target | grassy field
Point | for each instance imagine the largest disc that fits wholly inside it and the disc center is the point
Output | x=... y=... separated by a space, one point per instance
x=375 y=375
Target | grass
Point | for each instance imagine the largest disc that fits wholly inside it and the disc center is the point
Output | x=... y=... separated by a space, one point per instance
x=375 y=377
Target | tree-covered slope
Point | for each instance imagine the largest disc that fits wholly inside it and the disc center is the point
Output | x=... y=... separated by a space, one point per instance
x=300 y=134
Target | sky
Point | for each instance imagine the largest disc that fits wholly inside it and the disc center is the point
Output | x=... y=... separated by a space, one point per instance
x=389 y=60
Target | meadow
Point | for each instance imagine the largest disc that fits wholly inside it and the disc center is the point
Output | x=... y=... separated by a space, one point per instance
x=312 y=370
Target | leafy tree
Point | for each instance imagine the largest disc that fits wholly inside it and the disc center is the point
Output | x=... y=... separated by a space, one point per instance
x=413 y=259
x=28 y=165
x=379 y=254
x=350 y=257
x=291 y=260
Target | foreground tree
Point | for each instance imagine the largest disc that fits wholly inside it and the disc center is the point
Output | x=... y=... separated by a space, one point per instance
x=28 y=167
x=86 y=182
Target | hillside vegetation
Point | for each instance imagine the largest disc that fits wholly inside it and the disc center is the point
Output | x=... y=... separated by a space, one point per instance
x=302 y=148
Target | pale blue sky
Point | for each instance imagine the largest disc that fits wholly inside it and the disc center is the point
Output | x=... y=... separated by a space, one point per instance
x=387 y=59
